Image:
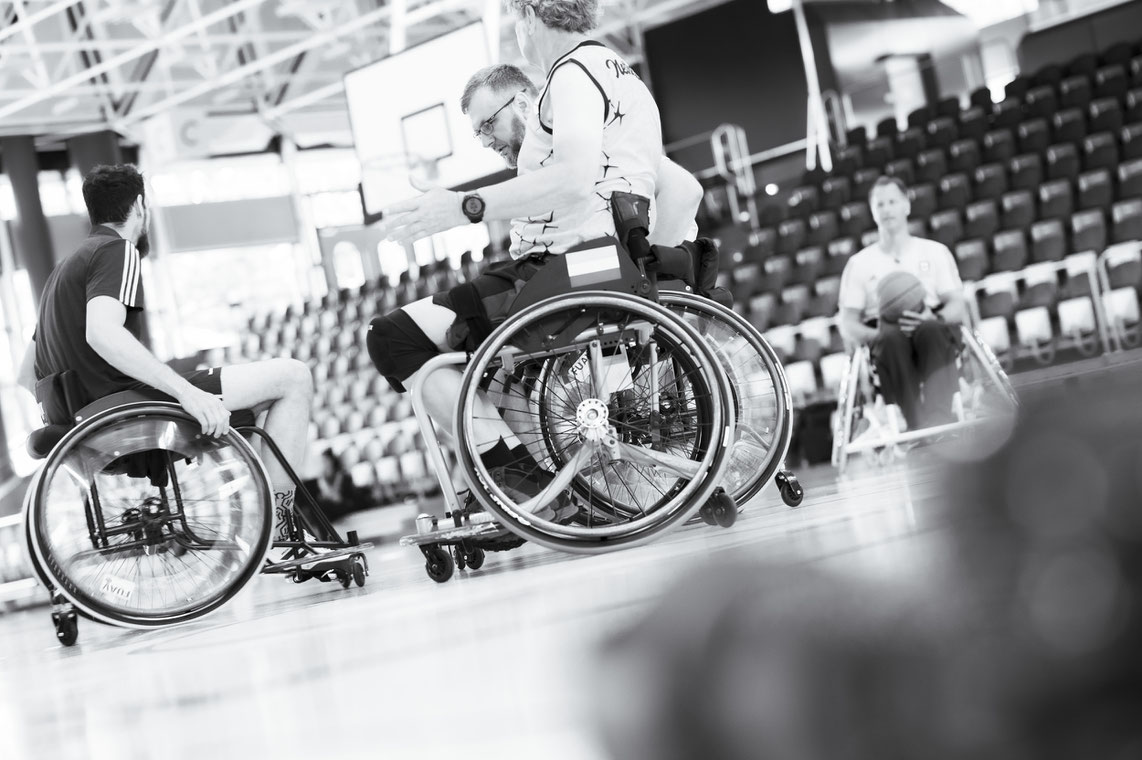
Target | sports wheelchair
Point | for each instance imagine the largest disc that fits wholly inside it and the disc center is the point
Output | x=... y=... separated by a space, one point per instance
x=139 y=520
x=985 y=395
x=648 y=406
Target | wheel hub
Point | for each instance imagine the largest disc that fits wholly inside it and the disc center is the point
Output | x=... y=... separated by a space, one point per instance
x=593 y=419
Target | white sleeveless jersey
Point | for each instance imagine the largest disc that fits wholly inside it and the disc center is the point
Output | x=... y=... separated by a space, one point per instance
x=632 y=150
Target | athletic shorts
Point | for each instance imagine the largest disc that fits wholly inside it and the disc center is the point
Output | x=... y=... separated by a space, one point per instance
x=498 y=287
x=209 y=380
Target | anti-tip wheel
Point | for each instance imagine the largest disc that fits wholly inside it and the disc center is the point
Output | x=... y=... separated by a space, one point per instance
x=791 y=491
x=358 y=571
x=723 y=509
x=67 y=628
x=439 y=564
x=474 y=558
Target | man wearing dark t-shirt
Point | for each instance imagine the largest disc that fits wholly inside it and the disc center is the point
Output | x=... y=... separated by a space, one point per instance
x=90 y=322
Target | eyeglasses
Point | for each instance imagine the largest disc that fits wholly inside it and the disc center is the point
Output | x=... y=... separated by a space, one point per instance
x=487 y=125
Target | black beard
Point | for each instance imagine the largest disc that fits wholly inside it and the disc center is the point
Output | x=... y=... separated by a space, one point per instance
x=143 y=246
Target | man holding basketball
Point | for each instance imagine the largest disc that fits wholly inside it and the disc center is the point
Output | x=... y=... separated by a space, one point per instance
x=913 y=350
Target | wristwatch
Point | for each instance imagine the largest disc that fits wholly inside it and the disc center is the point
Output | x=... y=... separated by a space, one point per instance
x=473 y=207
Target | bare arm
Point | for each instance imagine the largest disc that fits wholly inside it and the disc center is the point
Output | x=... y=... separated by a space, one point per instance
x=853 y=331
x=108 y=337
x=27 y=376
x=677 y=197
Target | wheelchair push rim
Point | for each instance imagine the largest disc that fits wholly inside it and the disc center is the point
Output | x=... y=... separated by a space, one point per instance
x=156 y=561
x=694 y=398
x=763 y=406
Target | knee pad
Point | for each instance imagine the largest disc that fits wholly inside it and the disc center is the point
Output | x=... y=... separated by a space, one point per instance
x=398 y=347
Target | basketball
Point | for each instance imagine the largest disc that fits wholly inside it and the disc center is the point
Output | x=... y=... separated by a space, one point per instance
x=898 y=292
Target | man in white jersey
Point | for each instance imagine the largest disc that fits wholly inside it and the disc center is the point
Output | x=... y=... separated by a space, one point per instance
x=914 y=360
x=593 y=130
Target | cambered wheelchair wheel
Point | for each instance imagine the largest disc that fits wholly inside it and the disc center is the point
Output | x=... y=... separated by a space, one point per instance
x=763 y=407
x=141 y=521
x=618 y=399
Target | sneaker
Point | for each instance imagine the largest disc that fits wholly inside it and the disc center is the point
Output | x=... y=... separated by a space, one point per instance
x=521 y=485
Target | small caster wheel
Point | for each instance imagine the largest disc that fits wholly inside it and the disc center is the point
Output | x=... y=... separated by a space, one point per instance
x=439 y=565
x=343 y=578
x=67 y=627
x=474 y=558
x=723 y=508
x=358 y=572
x=706 y=512
x=791 y=491
x=459 y=557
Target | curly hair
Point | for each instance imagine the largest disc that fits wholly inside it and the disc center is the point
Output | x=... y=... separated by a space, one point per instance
x=577 y=16
x=109 y=191
x=501 y=76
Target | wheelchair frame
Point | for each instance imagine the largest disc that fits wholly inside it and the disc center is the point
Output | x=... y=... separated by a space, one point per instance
x=859 y=371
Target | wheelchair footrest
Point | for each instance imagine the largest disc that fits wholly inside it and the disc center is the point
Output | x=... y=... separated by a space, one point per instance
x=453 y=534
x=314 y=564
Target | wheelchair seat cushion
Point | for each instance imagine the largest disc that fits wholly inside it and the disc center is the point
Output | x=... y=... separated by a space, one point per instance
x=42 y=441
x=239 y=418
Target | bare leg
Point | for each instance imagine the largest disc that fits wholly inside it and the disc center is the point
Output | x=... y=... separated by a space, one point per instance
x=442 y=387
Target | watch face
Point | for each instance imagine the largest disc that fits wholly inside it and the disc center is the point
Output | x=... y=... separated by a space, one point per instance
x=473 y=205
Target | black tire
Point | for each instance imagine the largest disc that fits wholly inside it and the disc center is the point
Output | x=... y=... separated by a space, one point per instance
x=474 y=558
x=791 y=491
x=704 y=410
x=343 y=578
x=764 y=416
x=723 y=508
x=706 y=512
x=226 y=561
x=67 y=628
x=439 y=564
x=358 y=571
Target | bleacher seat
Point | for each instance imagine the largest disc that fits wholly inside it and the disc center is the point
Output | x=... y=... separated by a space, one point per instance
x=909 y=143
x=998 y=146
x=1077 y=320
x=1105 y=115
x=761 y=310
x=995 y=334
x=1025 y=171
x=839 y=252
x=825 y=293
x=997 y=295
x=1017 y=209
x=1056 y=200
x=973 y=123
x=1007 y=113
x=1033 y=330
x=1122 y=307
x=989 y=181
x=848 y=159
x=804 y=200
x=778 y=270
x=946 y=227
x=745 y=280
x=1126 y=220
x=813 y=339
x=1068 y=125
x=791 y=236
x=1075 y=92
x=855 y=218
x=808 y=264
x=941 y=132
x=1100 y=151
x=1010 y=251
x=794 y=303
x=918 y=117
x=963 y=156
x=833 y=368
x=1048 y=76
x=901 y=168
x=1062 y=162
x=823 y=227
x=835 y=192
x=931 y=165
x=1040 y=285
x=802 y=381
x=856 y=135
x=887 y=127
x=1033 y=136
x=980 y=97
x=1095 y=190
x=773 y=214
x=1048 y=240
x=1040 y=102
x=981 y=219
x=783 y=340
x=1017 y=88
x=1130 y=179
x=1118 y=53
x=1077 y=280
x=954 y=192
x=863 y=180
x=1124 y=266
x=922 y=199
x=1088 y=230
x=878 y=152
x=971 y=259
x=1136 y=71
x=1133 y=103
x=1110 y=82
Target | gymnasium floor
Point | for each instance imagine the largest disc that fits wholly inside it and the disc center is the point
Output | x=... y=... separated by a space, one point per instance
x=495 y=663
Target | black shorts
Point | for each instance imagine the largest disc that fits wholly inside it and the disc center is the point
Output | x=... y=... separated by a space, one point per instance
x=209 y=380
x=498 y=286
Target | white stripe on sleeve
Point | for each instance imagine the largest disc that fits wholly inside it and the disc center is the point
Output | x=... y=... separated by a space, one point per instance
x=129 y=287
